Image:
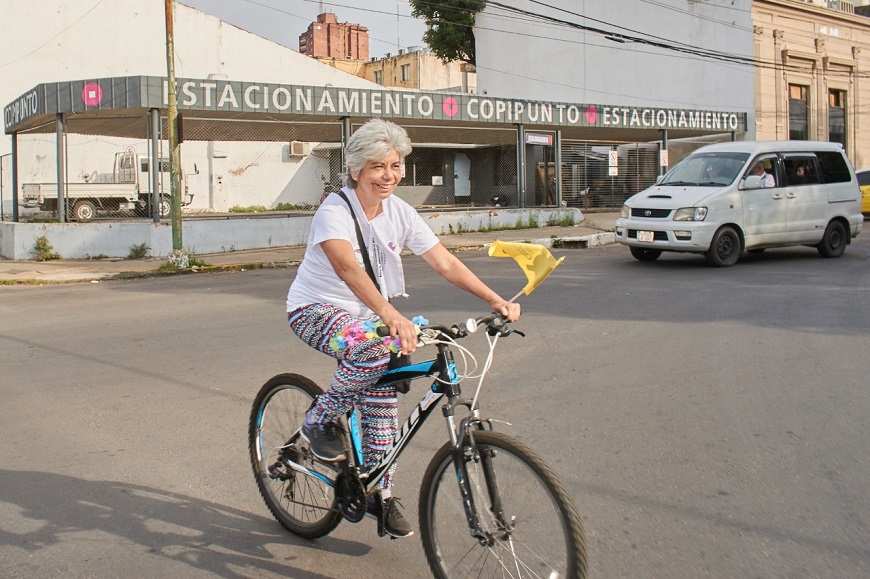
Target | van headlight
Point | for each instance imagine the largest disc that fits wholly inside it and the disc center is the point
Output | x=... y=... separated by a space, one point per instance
x=625 y=213
x=690 y=214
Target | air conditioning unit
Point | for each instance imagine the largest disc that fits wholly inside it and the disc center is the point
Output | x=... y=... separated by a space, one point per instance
x=297 y=149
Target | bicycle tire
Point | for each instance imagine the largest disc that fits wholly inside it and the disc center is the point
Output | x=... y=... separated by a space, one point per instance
x=304 y=505
x=537 y=505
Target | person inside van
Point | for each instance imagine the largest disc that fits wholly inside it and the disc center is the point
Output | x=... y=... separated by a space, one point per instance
x=800 y=175
x=767 y=179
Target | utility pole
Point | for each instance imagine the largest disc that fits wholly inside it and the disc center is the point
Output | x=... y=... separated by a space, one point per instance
x=172 y=134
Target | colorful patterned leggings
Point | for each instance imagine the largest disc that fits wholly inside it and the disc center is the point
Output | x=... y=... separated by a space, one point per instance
x=359 y=367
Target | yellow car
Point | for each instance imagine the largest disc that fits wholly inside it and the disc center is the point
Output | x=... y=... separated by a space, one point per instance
x=864 y=182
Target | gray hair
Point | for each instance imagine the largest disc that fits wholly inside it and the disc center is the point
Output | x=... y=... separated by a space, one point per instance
x=374 y=140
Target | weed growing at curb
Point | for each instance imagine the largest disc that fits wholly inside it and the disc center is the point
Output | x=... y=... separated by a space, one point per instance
x=138 y=251
x=43 y=251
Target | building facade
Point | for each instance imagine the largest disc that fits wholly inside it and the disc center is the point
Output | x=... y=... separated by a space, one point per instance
x=668 y=53
x=811 y=81
x=329 y=38
x=417 y=68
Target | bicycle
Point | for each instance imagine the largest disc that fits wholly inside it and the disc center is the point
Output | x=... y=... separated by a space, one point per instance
x=488 y=504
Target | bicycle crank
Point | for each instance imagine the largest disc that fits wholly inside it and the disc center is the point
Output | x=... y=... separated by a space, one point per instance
x=350 y=496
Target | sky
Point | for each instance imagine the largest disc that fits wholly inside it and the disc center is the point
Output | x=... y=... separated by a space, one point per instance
x=283 y=21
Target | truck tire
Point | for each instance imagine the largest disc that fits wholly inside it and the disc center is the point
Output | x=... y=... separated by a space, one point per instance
x=165 y=206
x=84 y=210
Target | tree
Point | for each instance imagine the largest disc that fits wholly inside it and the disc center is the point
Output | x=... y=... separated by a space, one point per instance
x=450 y=32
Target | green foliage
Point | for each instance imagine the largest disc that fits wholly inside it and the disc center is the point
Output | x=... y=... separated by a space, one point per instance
x=566 y=220
x=294 y=207
x=43 y=251
x=450 y=27
x=138 y=251
x=249 y=209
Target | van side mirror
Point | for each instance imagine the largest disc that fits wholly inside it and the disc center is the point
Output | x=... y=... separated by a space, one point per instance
x=751 y=182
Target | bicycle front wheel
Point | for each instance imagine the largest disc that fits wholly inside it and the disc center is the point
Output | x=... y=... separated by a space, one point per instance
x=530 y=527
x=303 y=503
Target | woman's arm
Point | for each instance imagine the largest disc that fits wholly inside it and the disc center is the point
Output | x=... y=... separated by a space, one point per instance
x=453 y=270
x=343 y=259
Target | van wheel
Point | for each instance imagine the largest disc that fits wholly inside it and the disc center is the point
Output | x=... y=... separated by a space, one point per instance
x=834 y=242
x=725 y=248
x=84 y=210
x=644 y=254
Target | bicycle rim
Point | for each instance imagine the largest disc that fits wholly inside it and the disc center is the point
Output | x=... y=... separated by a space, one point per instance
x=304 y=504
x=538 y=534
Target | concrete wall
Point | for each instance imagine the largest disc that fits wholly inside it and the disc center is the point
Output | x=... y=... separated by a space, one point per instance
x=87 y=240
x=528 y=58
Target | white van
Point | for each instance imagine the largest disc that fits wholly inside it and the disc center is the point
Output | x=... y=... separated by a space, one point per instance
x=718 y=201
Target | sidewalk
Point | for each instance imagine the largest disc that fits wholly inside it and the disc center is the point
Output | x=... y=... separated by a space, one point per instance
x=596 y=229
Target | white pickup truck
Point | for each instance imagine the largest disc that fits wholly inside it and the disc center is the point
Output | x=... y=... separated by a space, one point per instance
x=126 y=189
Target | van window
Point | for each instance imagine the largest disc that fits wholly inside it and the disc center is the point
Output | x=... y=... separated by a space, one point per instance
x=834 y=167
x=770 y=176
x=706 y=169
x=800 y=169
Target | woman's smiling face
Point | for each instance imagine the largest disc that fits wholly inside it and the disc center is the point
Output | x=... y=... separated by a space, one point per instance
x=379 y=178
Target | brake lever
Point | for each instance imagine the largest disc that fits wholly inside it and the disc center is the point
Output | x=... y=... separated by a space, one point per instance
x=499 y=327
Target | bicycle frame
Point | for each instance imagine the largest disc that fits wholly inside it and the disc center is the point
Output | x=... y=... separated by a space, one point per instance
x=446 y=384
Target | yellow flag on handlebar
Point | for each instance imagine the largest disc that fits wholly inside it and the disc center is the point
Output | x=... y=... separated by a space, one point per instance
x=537 y=262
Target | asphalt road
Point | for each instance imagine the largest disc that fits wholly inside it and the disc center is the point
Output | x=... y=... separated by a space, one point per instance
x=709 y=422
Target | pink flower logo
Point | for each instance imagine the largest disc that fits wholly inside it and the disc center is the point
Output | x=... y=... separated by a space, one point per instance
x=591 y=115
x=92 y=94
x=450 y=106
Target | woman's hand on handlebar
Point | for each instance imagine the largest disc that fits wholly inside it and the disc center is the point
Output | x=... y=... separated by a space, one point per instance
x=511 y=311
x=404 y=328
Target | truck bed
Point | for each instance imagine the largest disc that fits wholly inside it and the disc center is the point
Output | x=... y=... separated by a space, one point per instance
x=39 y=191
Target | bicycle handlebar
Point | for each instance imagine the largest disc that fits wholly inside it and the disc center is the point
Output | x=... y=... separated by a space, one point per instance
x=496 y=325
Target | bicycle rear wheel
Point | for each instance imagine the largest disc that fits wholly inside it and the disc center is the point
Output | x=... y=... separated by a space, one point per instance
x=304 y=504
x=532 y=527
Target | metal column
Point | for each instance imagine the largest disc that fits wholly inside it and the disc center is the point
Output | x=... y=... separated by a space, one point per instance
x=15 y=177
x=521 y=166
x=662 y=168
x=155 y=165
x=61 y=181
x=345 y=136
x=557 y=167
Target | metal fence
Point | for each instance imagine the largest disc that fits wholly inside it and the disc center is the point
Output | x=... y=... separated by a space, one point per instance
x=255 y=166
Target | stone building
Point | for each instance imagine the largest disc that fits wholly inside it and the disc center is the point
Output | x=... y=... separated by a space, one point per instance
x=811 y=81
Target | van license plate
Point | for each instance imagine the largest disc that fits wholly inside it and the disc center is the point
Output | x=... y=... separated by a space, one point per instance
x=645 y=236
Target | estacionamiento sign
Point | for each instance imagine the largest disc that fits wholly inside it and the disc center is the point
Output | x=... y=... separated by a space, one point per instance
x=276 y=99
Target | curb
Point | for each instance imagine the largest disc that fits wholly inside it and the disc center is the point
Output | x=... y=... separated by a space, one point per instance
x=568 y=242
x=578 y=242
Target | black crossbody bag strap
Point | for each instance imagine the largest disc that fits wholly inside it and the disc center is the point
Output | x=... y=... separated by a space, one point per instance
x=396 y=361
x=362 y=244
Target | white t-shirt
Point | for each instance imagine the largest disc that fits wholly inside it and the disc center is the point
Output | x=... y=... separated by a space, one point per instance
x=398 y=226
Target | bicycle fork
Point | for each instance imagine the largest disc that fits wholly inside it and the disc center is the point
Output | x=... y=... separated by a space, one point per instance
x=463 y=455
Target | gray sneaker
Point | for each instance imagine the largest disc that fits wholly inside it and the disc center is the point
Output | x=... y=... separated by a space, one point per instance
x=389 y=516
x=324 y=440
